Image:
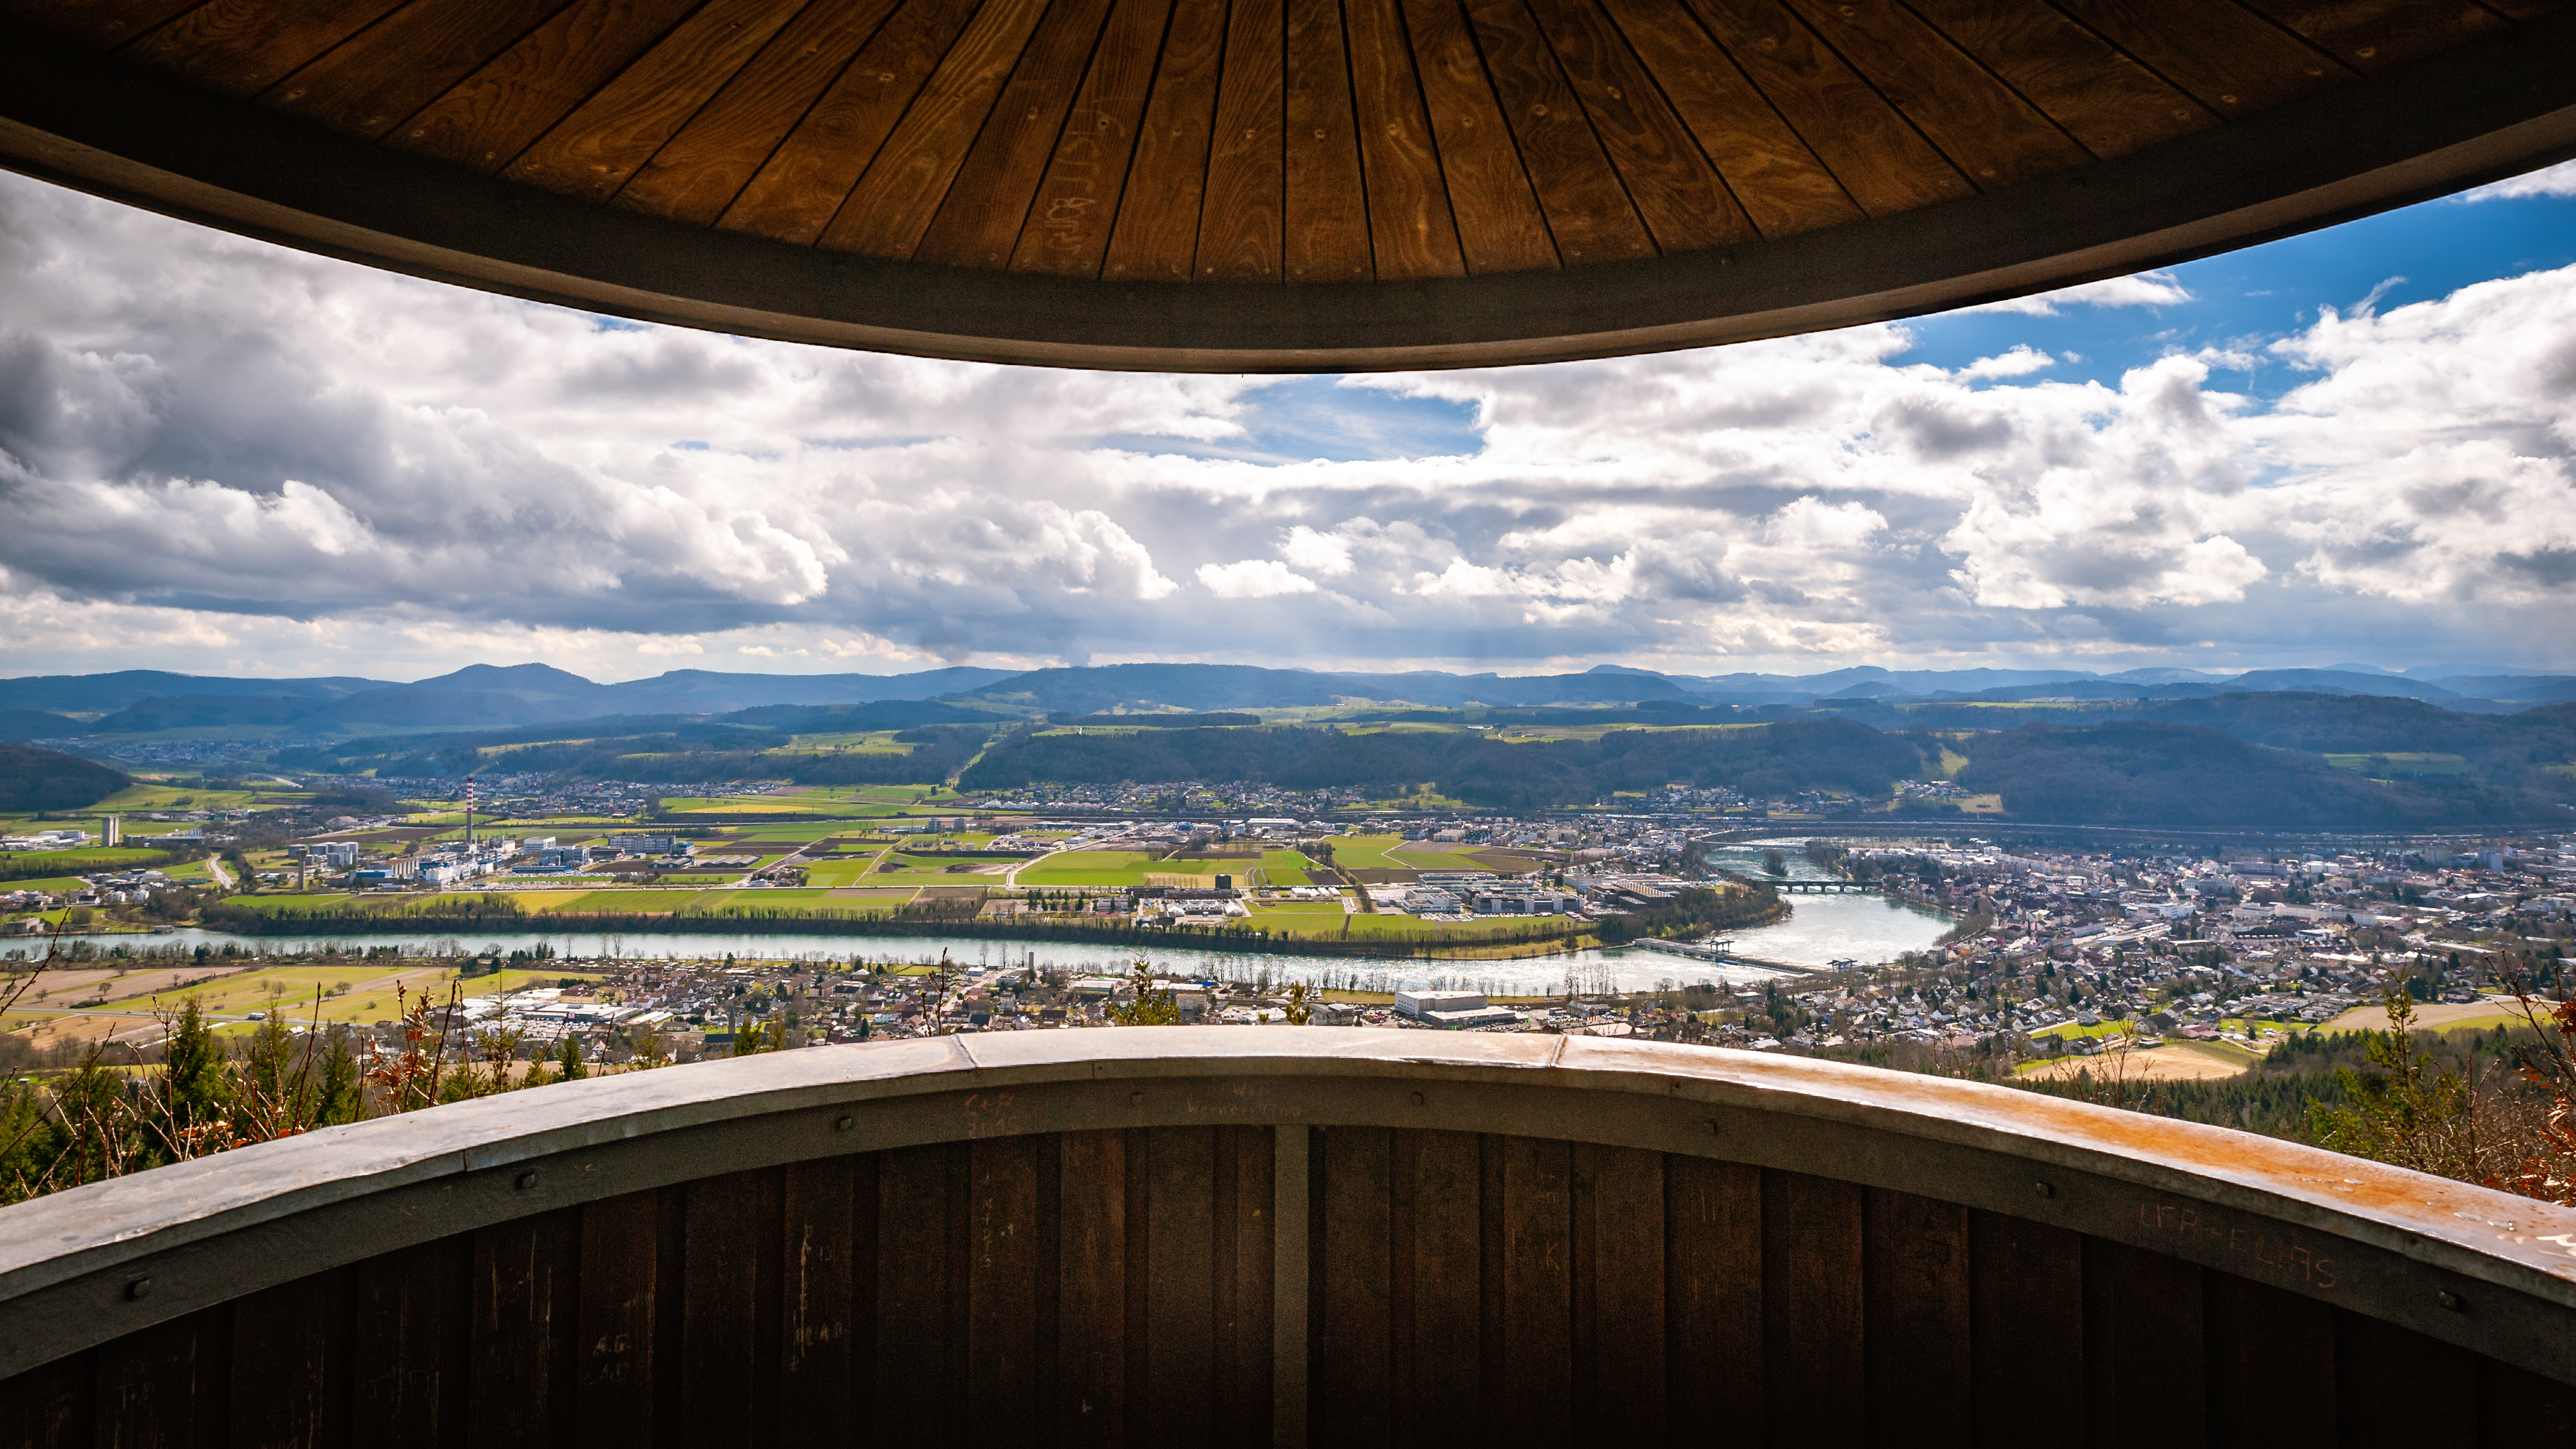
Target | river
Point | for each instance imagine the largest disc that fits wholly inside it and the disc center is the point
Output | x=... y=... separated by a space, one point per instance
x=1819 y=930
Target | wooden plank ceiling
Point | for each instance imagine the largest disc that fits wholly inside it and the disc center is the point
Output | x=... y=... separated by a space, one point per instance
x=1271 y=140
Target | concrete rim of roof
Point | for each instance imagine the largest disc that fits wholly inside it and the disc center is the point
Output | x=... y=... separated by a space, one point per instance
x=2463 y=117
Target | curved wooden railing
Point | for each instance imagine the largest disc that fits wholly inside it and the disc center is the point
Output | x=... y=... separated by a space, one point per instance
x=1229 y=1236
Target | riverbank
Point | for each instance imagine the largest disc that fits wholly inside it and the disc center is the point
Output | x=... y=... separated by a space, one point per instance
x=1432 y=944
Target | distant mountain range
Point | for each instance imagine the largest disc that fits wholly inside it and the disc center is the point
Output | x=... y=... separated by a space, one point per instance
x=484 y=696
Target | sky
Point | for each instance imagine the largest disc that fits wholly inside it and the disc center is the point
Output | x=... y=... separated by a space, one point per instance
x=2352 y=447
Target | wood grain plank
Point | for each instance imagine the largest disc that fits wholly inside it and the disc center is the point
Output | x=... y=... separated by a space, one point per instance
x=2026 y=1326
x=1881 y=161
x=670 y=1304
x=2143 y=1334
x=1619 y=1278
x=384 y=74
x=980 y=223
x=1500 y=225
x=2399 y=1389
x=48 y=1407
x=287 y=1343
x=102 y=23
x=1915 y=1335
x=702 y=168
x=1157 y=232
x=1813 y=1311
x=620 y=1283
x=1174 y=1406
x=592 y=152
x=817 y=1301
x=794 y=195
x=1247 y=1283
x=2230 y=60
x=512 y=1395
x=1354 y=1332
x=1538 y=1293
x=1092 y=1300
x=1067 y=232
x=1241 y=217
x=2376 y=35
x=1001 y=1291
x=893 y=203
x=284 y=1342
x=1436 y=1299
x=491 y=116
x=2517 y=1406
x=2262 y=1341
x=1674 y=187
x=242 y=47
x=2104 y=99
x=1493 y=1252
x=720 y=1312
x=408 y=1321
x=1411 y=231
x=1781 y=186
x=915 y=1377
x=1989 y=133
x=160 y=1385
x=1138 y=1372
x=1588 y=211
x=1326 y=226
x=1713 y=1301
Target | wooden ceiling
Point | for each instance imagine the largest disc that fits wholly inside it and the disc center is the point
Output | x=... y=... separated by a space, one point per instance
x=1386 y=182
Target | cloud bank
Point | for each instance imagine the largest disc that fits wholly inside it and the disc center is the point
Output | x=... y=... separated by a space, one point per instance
x=222 y=456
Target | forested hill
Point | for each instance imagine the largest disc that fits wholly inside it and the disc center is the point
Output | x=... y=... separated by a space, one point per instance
x=2149 y=773
x=1773 y=759
x=34 y=779
x=2125 y=773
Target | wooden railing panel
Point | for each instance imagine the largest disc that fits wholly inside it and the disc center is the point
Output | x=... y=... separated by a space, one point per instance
x=2026 y=1326
x=917 y=1387
x=613 y=1352
x=1002 y=1294
x=1713 y=1301
x=1091 y=1374
x=1812 y=1311
x=407 y=1339
x=2271 y=1359
x=2518 y=1407
x=1916 y=1334
x=1246 y=1269
x=289 y=1365
x=2397 y=1389
x=1619 y=1325
x=1353 y=1360
x=1436 y=1286
x=2143 y=1343
x=1118 y=1285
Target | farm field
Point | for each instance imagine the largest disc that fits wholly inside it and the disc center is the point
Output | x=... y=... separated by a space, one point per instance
x=370 y=994
x=83 y=861
x=51 y=884
x=1284 y=868
x=1320 y=918
x=2168 y=1063
x=841 y=872
x=1114 y=868
x=1394 y=852
x=638 y=900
